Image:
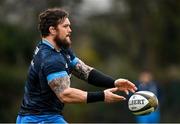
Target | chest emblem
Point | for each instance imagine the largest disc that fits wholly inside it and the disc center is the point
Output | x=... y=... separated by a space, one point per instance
x=66 y=66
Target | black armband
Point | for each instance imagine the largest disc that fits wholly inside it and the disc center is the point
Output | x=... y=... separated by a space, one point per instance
x=101 y=80
x=95 y=96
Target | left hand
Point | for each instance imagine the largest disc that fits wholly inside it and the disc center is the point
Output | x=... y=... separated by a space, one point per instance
x=125 y=85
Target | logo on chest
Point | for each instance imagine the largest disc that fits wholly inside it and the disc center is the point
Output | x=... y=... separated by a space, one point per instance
x=68 y=56
x=66 y=66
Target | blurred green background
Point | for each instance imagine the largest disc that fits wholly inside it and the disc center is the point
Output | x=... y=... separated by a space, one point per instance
x=118 y=37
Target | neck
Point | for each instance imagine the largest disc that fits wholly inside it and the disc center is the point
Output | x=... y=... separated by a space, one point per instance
x=52 y=42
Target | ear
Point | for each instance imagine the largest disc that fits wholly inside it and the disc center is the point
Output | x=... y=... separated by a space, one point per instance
x=52 y=30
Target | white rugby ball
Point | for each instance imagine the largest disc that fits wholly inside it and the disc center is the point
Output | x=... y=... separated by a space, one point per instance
x=142 y=103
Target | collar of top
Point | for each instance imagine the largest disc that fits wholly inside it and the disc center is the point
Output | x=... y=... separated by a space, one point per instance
x=45 y=41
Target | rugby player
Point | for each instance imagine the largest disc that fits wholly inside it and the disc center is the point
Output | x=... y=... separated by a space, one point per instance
x=48 y=87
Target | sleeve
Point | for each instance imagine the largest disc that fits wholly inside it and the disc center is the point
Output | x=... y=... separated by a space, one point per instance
x=74 y=62
x=54 y=69
x=74 y=59
x=100 y=79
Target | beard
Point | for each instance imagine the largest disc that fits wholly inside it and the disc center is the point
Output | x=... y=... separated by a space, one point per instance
x=65 y=43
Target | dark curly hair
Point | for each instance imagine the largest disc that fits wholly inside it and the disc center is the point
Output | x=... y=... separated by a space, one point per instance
x=50 y=17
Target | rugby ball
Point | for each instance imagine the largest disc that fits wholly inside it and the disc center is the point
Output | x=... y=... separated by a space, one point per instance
x=142 y=103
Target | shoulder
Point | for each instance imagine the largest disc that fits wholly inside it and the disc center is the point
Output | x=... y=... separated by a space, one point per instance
x=54 y=58
x=49 y=56
x=69 y=52
x=53 y=63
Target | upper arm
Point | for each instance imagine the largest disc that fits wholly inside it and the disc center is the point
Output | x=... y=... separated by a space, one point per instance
x=66 y=94
x=56 y=75
x=59 y=82
x=81 y=70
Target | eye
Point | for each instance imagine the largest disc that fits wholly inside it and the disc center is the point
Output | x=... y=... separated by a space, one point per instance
x=66 y=26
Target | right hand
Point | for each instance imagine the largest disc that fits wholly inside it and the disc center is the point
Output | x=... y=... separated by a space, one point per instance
x=111 y=97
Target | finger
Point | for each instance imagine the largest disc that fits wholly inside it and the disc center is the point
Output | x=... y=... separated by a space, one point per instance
x=132 y=90
x=127 y=92
x=119 y=97
x=113 y=89
x=126 y=82
x=131 y=85
x=135 y=88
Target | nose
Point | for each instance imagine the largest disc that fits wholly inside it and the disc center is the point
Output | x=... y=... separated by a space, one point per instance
x=69 y=30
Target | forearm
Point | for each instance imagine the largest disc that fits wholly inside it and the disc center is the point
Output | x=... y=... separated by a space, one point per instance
x=92 y=76
x=100 y=79
x=72 y=95
x=81 y=70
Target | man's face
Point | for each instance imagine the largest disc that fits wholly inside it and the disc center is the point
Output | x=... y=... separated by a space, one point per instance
x=63 y=32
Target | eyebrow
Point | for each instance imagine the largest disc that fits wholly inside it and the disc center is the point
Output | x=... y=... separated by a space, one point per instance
x=67 y=24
